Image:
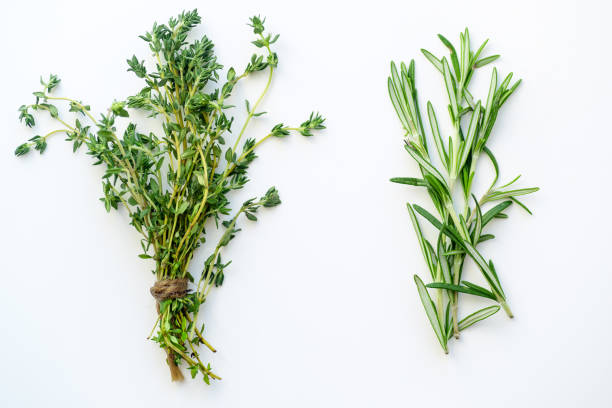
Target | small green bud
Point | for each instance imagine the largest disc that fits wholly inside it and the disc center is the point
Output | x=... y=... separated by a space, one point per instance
x=22 y=149
x=118 y=108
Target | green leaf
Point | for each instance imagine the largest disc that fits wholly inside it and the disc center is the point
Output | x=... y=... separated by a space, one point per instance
x=451 y=88
x=480 y=289
x=200 y=178
x=478 y=316
x=182 y=208
x=465 y=54
x=52 y=83
x=443 y=261
x=435 y=186
x=489 y=215
x=504 y=84
x=489 y=153
x=410 y=181
x=494 y=272
x=484 y=61
x=523 y=206
x=421 y=239
x=397 y=99
x=426 y=165
x=509 y=92
x=447 y=43
x=194 y=371
x=52 y=110
x=118 y=108
x=500 y=195
x=468 y=98
x=271 y=198
x=430 y=310
x=455 y=252
x=433 y=59
x=469 y=142
x=464 y=226
x=408 y=83
x=449 y=322
x=446 y=229
x=453 y=53
x=485 y=237
x=484 y=267
x=22 y=149
x=478 y=226
x=477 y=54
x=137 y=67
x=433 y=123
x=511 y=182
x=430 y=217
x=458 y=288
x=490 y=98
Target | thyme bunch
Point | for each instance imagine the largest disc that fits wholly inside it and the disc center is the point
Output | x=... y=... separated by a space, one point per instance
x=176 y=184
x=461 y=218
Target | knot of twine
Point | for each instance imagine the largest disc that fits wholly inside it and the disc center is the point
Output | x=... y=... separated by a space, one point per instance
x=169 y=289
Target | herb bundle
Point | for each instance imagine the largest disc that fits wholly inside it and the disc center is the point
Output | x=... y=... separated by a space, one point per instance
x=462 y=218
x=175 y=185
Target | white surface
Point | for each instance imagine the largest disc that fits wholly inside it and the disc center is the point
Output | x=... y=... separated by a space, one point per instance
x=318 y=308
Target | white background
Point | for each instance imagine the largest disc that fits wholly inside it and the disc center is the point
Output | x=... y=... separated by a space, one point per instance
x=318 y=308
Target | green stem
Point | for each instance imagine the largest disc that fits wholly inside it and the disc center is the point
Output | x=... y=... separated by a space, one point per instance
x=254 y=108
x=457 y=262
x=75 y=102
x=454 y=315
x=506 y=308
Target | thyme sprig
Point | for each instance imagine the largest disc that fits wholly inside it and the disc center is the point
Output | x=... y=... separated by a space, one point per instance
x=176 y=184
x=460 y=222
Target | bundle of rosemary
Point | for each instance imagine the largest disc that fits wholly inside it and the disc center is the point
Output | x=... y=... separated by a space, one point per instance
x=176 y=184
x=461 y=217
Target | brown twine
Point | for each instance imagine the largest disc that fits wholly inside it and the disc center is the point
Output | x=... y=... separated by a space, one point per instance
x=170 y=289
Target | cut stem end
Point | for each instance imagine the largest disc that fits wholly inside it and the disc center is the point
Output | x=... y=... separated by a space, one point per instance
x=507 y=309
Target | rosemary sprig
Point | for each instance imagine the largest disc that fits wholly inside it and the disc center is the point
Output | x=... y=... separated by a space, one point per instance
x=460 y=223
x=175 y=184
